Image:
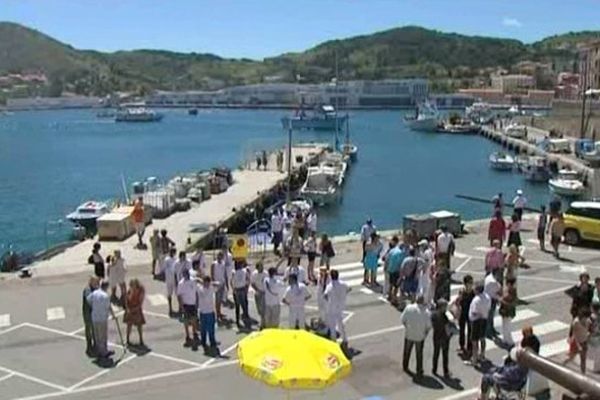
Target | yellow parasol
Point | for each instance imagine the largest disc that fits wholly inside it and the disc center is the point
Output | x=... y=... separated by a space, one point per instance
x=292 y=359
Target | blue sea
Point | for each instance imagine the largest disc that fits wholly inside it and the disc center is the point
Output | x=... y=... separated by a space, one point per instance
x=51 y=161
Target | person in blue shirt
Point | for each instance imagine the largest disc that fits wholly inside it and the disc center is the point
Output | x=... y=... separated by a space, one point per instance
x=393 y=262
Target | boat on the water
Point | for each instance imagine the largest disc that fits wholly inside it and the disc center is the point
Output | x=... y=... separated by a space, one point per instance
x=427 y=118
x=138 y=114
x=583 y=146
x=322 y=185
x=193 y=111
x=347 y=148
x=521 y=162
x=479 y=112
x=338 y=162
x=502 y=161
x=87 y=213
x=324 y=117
x=567 y=183
x=536 y=169
x=459 y=126
x=592 y=156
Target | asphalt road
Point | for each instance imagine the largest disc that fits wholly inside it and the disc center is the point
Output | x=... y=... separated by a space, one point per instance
x=42 y=347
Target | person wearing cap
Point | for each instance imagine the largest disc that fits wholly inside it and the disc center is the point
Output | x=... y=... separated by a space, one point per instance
x=442 y=333
x=519 y=203
x=417 y=323
x=365 y=234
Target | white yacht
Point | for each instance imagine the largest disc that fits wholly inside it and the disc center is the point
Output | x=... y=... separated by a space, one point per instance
x=502 y=161
x=479 y=112
x=567 y=183
x=87 y=213
x=324 y=117
x=338 y=162
x=322 y=185
x=138 y=114
x=427 y=118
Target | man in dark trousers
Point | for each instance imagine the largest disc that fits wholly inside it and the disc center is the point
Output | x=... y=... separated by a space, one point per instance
x=86 y=311
x=442 y=331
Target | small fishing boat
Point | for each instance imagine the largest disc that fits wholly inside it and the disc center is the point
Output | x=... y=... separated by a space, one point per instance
x=567 y=183
x=87 y=213
x=427 y=118
x=322 y=185
x=324 y=117
x=537 y=170
x=502 y=161
x=521 y=162
x=463 y=127
x=479 y=112
x=583 y=146
x=337 y=161
x=138 y=114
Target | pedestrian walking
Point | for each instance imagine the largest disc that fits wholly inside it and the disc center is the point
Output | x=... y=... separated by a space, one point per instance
x=417 y=323
x=257 y=281
x=187 y=293
x=335 y=295
x=494 y=261
x=117 y=272
x=86 y=312
x=327 y=251
x=138 y=216
x=371 y=260
x=365 y=234
x=394 y=261
x=581 y=295
x=277 y=230
x=425 y=252
x=134 y=314
x=206 y=310
x=310 y=246
x=265 y=159
x=519 y=203
x=295 y=297
x=322 y=283
x=240 y=282
x=443 y=329
x=445 y=247
x=541 y=228
x=514 y=231
x=99 y=301
x=557 y=230
x=508 y=310
x=273 y=292
x=493 y=290
x=168 y=271
x=97 y=261
x=155 y=250
x=218 y=273
x=497 y=229
x=164 y=244
x=478 y=316
x=463 y=304
x=578 y=339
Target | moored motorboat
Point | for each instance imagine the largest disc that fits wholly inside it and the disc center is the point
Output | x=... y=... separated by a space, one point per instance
x=324 y=117
x=567 y=183
x=426 y=119
x=138 y=114
x=337 y=161
x=592 y=156
x=322 y=185
x=501 y=161
x=193 y=111
x=479 y=112
x=537 y=170
x=87 y=213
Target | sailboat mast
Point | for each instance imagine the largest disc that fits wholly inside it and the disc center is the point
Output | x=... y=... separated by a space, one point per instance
x=583 y=93
x=337 y=128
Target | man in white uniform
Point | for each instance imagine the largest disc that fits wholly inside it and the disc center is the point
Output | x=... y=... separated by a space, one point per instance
x=277 y=229
x=168 y=270
x=295 y=297
x=218 y=272
x=257 y=281
x=519 y=203
x=335 y=295
x=229 y=266
x=199 y=263
x=188 y=294
x=182 y=264
x=297 y=270
x=444 y=246
x=311 y=222
x=273 y=289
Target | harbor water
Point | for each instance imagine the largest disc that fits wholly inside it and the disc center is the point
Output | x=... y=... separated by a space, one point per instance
x=51 y=161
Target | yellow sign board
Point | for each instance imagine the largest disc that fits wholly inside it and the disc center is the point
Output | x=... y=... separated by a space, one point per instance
x=239 y=246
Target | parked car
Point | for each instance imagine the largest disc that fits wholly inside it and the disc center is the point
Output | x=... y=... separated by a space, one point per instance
x=582 y=222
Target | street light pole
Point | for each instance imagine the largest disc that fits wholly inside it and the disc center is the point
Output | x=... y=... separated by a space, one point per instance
x=289 y=163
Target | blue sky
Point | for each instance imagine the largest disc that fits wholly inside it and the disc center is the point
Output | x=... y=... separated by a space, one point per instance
x=263 y=28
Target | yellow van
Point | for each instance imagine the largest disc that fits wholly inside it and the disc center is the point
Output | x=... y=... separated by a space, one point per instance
x=582 y=222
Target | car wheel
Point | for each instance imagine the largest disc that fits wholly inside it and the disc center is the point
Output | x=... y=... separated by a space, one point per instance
x=571 y=237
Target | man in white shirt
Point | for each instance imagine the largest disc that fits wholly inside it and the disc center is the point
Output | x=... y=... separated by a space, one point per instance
x=273 y=289
x=277 y=230
x=182 y=264
x=295 y=297
x=240 y=282
x=168 y=270
x=218 y=273
x=519 y=203
x=445 y=246
x=257 y=281
x=229 y=266
x=478 y=314
x=335 y=295
x=311 y=222
x=365 y=235
x=206 y=310
x=187 y=293
x=99 y=301
x=297 y=270
x=417 y=322
x=493 y=289
x=199 y=263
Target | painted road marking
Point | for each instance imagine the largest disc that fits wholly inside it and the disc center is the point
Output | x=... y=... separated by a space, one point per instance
x=521 y=315
x=158 y=299
x=55 y=313
x=4 y=320
x=460 y=255
x=574 y=269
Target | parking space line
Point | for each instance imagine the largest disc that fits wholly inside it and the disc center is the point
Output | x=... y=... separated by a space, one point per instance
x=157 y=299
x=463 y=264
x=99 y=374
x=55 y=313
x=33 y=379
x=206 y=364
x=7 y=376
x=4 y=320
x=12 y=328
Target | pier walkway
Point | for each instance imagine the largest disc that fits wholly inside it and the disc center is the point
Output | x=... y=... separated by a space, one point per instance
x=190 y=226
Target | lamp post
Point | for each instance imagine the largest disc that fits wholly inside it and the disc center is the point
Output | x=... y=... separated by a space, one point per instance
x=289 y=164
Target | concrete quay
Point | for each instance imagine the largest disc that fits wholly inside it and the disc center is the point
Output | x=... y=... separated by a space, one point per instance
x=590 y=176
x=194 y=226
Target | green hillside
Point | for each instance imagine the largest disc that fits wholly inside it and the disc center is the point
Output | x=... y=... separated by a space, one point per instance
x=447 y=59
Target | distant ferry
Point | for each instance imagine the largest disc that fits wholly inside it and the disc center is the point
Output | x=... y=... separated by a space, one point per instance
x=139 y=114
x=324 y=117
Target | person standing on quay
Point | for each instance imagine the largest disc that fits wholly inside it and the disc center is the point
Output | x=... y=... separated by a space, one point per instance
x=206 y=310
x=493 y=290
x=187 y=293
x=519 y=204
x=514 y=228
x=86 y=311
x=478 y=316
x=310 y=246
x=101 y=310
x=365 y=234
x=444 y=247
x=164 y=244
x=155 y=250
x=240 y=282
x=277 y=230
x=371 y=261
x=557 y=230
x=394 y=261
x=335 y=295
x=442 y=333
x=116 y=277
x=508 y=310
x=273 y=289
x=97 y=260
x=139 y=221
x=463 y=301
x=322 y=283
x=257 y=281
x=295 y=297
x=134 y=314
x=218 y=273
x=494 y=261
x=497 y=229
x=541 y=228
x=327 y=252
x=167 y=269
x=417 y=322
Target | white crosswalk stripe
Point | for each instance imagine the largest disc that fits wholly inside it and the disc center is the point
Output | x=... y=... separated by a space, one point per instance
x=157 y=299
x=55 y=313
x=540 y=330
x=4 y=320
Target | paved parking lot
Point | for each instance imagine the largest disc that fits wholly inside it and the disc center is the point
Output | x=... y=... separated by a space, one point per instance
x=42 y=344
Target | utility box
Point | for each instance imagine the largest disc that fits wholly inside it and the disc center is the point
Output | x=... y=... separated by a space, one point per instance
x=423 y=224
x=115 y=226
x=449 y=219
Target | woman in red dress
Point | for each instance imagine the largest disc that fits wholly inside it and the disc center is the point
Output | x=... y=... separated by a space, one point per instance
x=134 y=314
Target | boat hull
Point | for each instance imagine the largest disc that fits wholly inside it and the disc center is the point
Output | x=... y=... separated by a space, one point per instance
x=572 y=190
x=139 y=118
x=321 y=198
x=321 y=124
x=423 y=125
